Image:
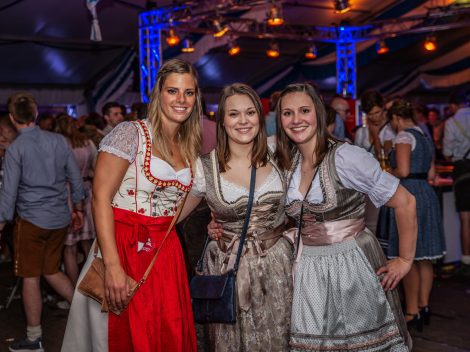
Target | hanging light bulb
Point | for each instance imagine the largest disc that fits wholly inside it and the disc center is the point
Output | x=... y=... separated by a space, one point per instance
x=172 y=38
x=430 y=44
x=381 y=47
x=275 y=16
x=342 y=6
x=233 y=48
x=219 y=29
x=188 y=46
x=273 y=50
x=311 y=53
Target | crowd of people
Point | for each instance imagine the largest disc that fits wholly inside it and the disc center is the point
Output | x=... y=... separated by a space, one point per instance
x=340 y=215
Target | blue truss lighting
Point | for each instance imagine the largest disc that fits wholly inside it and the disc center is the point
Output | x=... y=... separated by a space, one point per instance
x=151 y=24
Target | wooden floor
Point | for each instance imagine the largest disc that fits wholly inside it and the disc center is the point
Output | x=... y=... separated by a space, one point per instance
x=449 y=329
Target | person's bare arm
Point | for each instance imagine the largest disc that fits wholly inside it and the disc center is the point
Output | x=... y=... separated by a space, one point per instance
x=189 y=205
x=109 y=173
x=404 y=204
x=403 y=156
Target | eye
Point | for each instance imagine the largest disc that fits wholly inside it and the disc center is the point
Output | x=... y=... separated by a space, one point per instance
x=190 y=93
x=171 y=91
x=286 y=113
x=251 y=113
x=305 y=110
x=233 y=114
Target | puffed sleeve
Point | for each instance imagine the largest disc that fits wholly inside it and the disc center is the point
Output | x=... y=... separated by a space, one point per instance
x=122 y=141
x=199 y=184
x=404 y=137
x=359 y=170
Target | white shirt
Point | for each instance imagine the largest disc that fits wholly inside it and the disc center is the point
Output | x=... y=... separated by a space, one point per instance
x=358 y=170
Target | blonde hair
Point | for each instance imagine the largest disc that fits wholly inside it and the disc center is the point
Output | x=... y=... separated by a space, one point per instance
x=190 y=132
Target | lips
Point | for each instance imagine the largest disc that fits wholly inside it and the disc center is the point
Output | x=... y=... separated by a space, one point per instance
x=243 y=130
x=179 y=109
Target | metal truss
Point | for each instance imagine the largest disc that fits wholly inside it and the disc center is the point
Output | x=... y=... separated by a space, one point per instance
x=195 y=17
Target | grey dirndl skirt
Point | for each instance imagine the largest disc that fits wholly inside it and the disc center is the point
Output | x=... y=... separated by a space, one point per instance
x=339 y=304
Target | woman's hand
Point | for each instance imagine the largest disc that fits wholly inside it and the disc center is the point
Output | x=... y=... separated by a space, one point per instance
x=115 y=283
x=394 y=271
x=214 y=229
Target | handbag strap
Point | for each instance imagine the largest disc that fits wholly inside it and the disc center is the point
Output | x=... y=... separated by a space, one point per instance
x=244 y=228
x=247 y=218
x=462 y=130
x=149 y=268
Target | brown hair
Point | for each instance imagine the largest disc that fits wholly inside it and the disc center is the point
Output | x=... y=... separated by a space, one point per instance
x=190 y=132
x=64 y=126
x=23 y=107
x=403 y=109
x=285 y=148
x=259 y=153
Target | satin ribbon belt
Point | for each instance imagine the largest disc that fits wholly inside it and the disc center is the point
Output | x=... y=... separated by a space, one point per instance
x=255 y=244
x=326 y=233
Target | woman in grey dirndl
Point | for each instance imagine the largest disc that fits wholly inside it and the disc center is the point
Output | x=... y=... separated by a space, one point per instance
x=340 y=301
x=264 y=278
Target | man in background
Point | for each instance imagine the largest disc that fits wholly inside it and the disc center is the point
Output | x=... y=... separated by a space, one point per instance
x=113 y=114
x=456 y=147
x=341 y=106
x=37 y=166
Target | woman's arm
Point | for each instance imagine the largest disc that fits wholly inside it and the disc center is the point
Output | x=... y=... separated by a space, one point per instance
x=403 y=155
x=404 y=204
x=109 y=173
x=189 y=205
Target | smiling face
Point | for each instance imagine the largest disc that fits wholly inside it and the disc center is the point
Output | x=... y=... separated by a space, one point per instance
x=178 y=96
x=298 y=117
x=241 y=119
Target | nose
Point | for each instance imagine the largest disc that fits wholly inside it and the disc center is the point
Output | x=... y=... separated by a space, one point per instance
x=295 y=118
x=180 y=98
x=243 y=119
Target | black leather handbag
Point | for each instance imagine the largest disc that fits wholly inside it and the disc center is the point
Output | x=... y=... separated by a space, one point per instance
x=214 y=297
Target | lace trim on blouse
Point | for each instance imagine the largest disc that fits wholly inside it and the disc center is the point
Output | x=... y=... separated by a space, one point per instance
x=122 y=141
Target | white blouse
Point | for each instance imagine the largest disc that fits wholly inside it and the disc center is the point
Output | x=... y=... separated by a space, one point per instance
x=362 y=137
x=404 y=137
x=358 y=170
x=123 y=142
x=231 y=191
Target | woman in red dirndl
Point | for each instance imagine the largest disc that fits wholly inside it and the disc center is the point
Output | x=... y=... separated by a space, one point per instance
x=142 y=175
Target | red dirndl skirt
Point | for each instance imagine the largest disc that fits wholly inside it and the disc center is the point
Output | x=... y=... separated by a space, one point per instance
x=159 y=316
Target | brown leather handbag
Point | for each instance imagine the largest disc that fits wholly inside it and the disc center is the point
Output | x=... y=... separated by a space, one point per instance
x=92 y=284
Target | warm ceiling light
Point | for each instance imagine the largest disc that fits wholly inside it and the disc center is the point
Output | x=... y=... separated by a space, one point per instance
x=219 y=29
x=172 y=38
x=342 y=6
x=273 y=50
x=381 y=47
x=311 y=52
x=188 y=46
x=275 y=16
x=233 y=48
x=430 y=43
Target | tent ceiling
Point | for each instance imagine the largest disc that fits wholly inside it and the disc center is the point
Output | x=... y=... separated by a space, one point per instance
x=47 y=43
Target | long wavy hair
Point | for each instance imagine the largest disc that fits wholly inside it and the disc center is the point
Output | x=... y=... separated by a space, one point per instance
x=190 y=132
x=259 y=152
x=64 y=126
x=285 y=148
